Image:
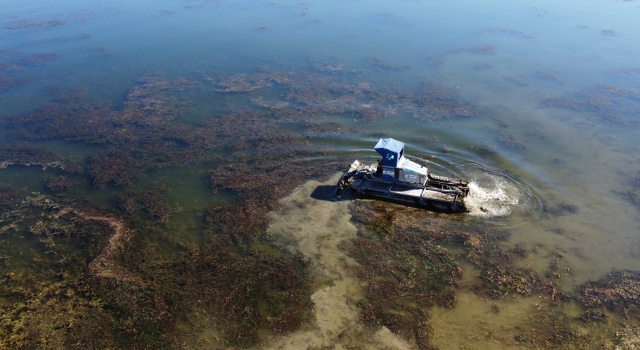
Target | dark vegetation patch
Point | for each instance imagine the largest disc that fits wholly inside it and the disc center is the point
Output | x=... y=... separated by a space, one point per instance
x=150 y=203
x=67 y=95
x=626 y=72
x=476 y=49
x=561 y=209
x=512 y=141
x=407 y=261
x=406 y=269
x=615 y=105
x=7 y=195
x=433 y=102
x=59 y=183
x=23 y=154
x=7 y=82
x=115 y=284
x=62 y=299
x=242 y=83
x=50 y=296
x=548 y=76
x=10 y=67
x=617 y=292
x=511 y=32
x=27 y=59
x=633 y=190
x=113 y=166
x=376 y=62
x=15 y=61
x=27 y=23
x=550 y=326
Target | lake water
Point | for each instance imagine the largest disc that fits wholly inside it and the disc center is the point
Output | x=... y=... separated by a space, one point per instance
x=536 y=103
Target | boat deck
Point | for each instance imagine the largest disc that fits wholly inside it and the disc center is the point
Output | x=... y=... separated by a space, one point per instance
x=399 y=190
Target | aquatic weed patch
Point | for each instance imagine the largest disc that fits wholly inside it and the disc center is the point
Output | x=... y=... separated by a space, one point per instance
x=58 y=301
x=245 y=290
x=617 y=292
x=136 y=282
x=150 y=203
x=7 y=195
x=113 y=166
x=23 y=154
x=408 y=263
x=615 y=105
x=406 y=269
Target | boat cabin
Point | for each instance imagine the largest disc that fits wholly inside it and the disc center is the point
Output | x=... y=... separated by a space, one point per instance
x=394 y=167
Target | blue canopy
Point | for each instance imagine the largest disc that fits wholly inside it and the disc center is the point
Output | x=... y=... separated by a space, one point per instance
x=391 y=151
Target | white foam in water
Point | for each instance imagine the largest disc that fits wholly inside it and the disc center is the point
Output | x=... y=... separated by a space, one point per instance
x=493 y=196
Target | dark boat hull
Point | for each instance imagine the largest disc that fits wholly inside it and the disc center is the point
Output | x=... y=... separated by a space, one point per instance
x=438 y=193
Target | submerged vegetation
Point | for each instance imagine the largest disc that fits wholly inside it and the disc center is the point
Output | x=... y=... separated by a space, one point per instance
x=119 y=271
x=411 y=262
x=103 y=276
x=614 y=105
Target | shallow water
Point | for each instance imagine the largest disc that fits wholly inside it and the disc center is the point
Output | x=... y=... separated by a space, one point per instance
x=537 y=104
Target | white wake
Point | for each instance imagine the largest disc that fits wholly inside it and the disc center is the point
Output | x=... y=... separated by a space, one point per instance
x=492 y=196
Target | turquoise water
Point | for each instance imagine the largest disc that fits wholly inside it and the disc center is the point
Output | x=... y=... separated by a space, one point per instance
x=554 y=87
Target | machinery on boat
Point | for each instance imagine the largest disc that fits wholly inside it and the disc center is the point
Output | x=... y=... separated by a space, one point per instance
x=396 y=178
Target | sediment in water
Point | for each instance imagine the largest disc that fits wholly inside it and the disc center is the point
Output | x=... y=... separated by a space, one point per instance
x=315 y=228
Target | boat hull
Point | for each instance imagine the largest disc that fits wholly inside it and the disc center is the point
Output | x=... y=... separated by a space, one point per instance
x=439 y=193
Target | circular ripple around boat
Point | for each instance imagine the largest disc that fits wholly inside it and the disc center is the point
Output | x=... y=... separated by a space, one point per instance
x=495 y=194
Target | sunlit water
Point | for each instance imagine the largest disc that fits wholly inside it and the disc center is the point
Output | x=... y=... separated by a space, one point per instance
x=524 y=158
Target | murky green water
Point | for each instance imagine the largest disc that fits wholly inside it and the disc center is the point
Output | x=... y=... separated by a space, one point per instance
x=203 y=127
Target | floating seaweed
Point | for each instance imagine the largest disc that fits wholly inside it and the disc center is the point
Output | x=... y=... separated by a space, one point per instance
x=374 y=61
x=562 y=209
x=326 y=66
x=406 y=259
x=614 y=104
x=59 y=183
x=7 y=83
x=633 y=193
x=617 y=292
x=269 y=104
x=22 y=154
x=38 y=58
x=70 y=95
x=100 y=51
x=112 y=166
x=7 y=195
x=131 y=291
x=24 y=23
x=9 y=67
x=151 y=202
x=517 y=81
x=548 y=76
x=628 y=337
x=57 y=304
x=481 y=67
x=476 y=49
x=433 y=102
x=242 y=83
x=406 y=268
x=625 y=73
x=511 y=141
x=511 y=32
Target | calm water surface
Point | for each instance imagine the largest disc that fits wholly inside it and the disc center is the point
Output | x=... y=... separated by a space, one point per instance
x=551 y=147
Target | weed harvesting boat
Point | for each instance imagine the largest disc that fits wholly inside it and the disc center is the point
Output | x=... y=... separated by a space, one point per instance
x=398 y=179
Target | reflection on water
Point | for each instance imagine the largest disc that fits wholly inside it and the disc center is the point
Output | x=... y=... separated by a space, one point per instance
x=160 y=169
